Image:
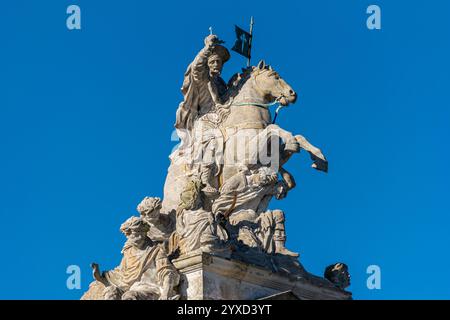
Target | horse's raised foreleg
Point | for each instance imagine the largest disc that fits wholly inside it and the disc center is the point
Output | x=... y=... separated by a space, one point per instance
x=264 y=147
x=319 y=160
x=291 y=144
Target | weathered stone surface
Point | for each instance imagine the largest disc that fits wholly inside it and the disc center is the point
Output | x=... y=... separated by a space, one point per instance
x=208 y=277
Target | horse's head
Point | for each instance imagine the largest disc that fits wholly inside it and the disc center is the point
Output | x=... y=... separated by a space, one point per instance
x=271 y=85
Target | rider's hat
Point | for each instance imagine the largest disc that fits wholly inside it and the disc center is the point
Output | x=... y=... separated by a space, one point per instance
x=222 y=52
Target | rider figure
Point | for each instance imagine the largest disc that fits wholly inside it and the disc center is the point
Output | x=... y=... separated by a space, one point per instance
x=203 y=90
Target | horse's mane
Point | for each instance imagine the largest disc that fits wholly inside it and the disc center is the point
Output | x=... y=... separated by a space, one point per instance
x=238 y=80
x=235 y=85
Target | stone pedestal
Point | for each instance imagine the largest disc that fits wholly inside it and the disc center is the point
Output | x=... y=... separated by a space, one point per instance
x=209 y=277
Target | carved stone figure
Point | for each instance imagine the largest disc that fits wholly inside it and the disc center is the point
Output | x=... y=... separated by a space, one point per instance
x=203 y=90
x=161 y=225
x=272 y=232
x=145 y=272
x=338 y=275
x=244 y=200
x=203 y=87
x=196 y=227
x=248 y=190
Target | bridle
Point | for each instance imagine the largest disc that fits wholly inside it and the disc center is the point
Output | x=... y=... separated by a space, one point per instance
x=264 y=105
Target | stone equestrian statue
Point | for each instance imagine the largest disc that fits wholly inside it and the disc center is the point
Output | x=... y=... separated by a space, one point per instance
x=215 y=121
x=222 y=177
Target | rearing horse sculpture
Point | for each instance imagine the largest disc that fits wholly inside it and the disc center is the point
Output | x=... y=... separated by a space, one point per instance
x=250 y=121
x=244 y=121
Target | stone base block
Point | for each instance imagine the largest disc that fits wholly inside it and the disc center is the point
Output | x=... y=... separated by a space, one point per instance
x=209 y=277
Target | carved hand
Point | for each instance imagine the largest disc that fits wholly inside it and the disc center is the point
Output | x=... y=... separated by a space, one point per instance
x=212 y=40
x=97 y=274
x=288 y=178
x=280 y=191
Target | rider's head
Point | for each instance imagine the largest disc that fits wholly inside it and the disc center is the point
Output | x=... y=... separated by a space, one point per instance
x=217 y=59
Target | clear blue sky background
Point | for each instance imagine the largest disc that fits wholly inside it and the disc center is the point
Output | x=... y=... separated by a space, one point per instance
x=86 y=119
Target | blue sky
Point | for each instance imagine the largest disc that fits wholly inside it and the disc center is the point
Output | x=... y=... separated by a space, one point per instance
x=86 y=118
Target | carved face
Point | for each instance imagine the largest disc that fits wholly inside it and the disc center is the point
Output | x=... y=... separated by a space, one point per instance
x=191 y=200
x=149 y=208
x=190 y=196
x=135 y=229
x=344 y=279
x=138 y=238
x=338 y=274
x=273 y=86
x=215 y=65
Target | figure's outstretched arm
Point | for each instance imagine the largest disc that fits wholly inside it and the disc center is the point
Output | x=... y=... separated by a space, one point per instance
x=98 y=275
x=200 y=64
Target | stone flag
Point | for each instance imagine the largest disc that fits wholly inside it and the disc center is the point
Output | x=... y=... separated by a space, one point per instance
x=243 y=44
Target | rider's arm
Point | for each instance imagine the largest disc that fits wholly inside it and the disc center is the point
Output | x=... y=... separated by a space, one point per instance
x=200 y=64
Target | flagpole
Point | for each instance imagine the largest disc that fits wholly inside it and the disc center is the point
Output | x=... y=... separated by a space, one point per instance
x=250 y=42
